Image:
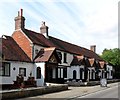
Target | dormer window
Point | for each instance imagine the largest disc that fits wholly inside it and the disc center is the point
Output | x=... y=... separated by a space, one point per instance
x=59 y=55
x=65 y=58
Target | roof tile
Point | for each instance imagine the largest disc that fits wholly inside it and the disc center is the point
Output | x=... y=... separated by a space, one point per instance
x=40 y=39
x=11 y=51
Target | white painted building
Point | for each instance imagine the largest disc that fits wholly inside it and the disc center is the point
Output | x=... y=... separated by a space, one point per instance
x=109 y=71
x=12 y=69
x=47 y=58
x=40 y=80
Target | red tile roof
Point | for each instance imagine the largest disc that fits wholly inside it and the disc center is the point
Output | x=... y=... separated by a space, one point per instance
x=77 y=60
x=40 y=39
x=11 y=51
x=80 y=60
x=44 y=54
x=74 y=48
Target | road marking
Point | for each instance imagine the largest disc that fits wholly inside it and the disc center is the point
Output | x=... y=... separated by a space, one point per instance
x=98 y=91
x=89 y=93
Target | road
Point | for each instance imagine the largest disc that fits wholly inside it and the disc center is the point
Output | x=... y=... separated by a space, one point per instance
x=107 y=93
x=76 y=93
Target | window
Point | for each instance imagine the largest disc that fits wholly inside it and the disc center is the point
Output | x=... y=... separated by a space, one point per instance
x=5 y=69
x=38 y=72
x=59 y=55
x=65 y=72
x=36 y=51
x=22 y=71
x=59 y=72
x=65 y=57
x=111 y=73
x=54 y=73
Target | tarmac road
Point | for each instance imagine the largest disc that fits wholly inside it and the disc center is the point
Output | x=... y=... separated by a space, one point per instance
x=76 y=93
x=107 y=93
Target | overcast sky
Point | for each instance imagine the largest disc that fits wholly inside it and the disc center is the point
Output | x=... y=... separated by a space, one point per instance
x=81 y=22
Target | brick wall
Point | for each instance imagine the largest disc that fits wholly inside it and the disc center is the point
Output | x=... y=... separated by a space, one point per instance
x=21 y=93
x=23 y=42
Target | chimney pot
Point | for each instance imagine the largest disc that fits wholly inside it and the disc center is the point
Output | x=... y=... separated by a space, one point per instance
x=21 y=12
x=19 y=20
x=43 y=23
x=18 y=13
x=44 y=29
x=93 y=48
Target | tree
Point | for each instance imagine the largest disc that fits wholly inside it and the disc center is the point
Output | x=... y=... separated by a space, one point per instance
x=113 y=56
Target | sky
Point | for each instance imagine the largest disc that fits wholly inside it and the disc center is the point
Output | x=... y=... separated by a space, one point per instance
x=80 y=22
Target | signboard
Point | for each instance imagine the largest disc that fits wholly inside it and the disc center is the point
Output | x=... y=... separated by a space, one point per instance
x=103 y=82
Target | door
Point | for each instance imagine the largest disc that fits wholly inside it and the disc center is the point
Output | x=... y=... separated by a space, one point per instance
x=49 y=74
x=48 y=77
x=74 y=74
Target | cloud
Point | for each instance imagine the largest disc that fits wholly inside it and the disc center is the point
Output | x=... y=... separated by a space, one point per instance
x=82 y=22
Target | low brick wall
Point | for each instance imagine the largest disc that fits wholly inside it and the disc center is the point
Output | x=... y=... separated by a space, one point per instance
x=91 y=83
x=14 y=94
x=98 y=82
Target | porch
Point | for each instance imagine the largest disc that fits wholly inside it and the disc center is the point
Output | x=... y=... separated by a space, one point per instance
x=53 y=73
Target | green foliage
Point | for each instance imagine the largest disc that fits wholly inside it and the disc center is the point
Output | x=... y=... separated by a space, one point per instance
x=112 y=56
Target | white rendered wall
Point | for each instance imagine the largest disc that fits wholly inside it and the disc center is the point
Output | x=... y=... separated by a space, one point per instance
x=83 y=73
x=40 y=82
x=69 y=58
x=71 y=69
x=90 y=72
x=14 y=73
x=36 y=47
x=109 y=68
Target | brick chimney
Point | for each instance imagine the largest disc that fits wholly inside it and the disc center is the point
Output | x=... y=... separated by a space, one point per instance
x=93 y=48
x=19 y=20
x=44 y=29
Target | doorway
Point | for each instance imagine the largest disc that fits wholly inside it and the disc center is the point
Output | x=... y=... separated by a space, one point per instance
x=74 y=74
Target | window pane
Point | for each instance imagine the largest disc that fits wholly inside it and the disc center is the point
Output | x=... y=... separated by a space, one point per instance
x=59 y=55
x=1 y=71
x=61 y=73
x=58 y=72
x=65 y=58
x=54 y=73
x=22 y=71
x=7 y=69
x=38 y=72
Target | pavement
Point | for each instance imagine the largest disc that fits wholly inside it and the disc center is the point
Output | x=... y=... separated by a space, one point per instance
x=74 y=92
